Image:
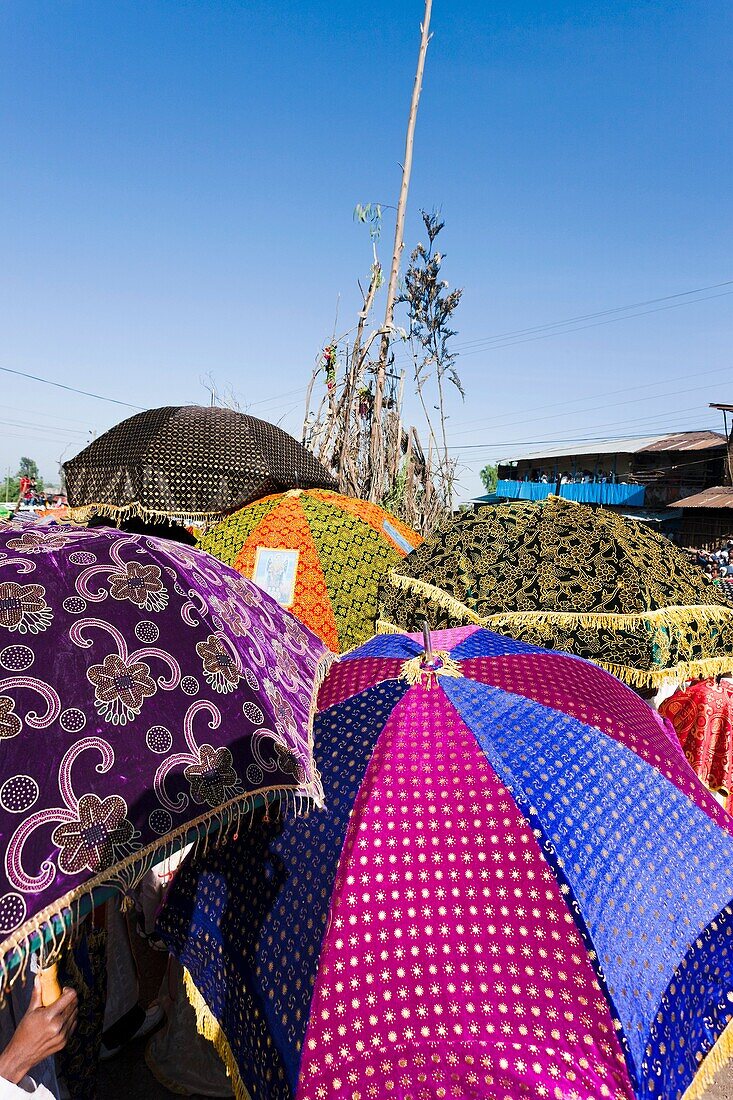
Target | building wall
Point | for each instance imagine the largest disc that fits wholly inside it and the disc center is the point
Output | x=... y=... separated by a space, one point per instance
x=666 y=475
x=706 y=528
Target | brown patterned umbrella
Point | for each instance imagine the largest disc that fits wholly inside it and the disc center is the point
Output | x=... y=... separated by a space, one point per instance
x=191 y=464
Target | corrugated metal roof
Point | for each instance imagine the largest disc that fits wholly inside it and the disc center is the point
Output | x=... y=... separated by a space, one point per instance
x=720 y=496
x=688 y=441
x=676 y=441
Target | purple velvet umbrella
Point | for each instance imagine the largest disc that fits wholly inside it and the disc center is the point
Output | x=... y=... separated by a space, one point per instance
x=147 y=693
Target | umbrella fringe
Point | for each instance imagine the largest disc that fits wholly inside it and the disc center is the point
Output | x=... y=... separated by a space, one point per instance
x=85 y=512
x=209 y=1027
x=56 y=925
x=436 y=595
x=681 y=615
x=713 y=1062
x=701 y=669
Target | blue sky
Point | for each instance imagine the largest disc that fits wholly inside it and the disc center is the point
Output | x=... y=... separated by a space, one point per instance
x=177 y=181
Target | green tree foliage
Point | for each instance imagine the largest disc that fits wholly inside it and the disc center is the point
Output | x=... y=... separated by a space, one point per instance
x=28 y=468
x=489 y=477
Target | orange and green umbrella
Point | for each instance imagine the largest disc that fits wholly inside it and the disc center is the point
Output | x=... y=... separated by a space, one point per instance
x=319 y=553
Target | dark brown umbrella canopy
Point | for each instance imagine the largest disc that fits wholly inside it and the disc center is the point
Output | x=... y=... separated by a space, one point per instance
x=189 y=463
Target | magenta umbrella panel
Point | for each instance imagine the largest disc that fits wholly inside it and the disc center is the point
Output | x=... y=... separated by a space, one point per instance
x=519 y=888
x=147 y=693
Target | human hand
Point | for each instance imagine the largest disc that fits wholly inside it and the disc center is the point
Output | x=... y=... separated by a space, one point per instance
x=41 y=1033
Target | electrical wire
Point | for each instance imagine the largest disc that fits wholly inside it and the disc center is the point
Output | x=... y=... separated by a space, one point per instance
x=70 y=389
x=591 y=316
x=609 y=393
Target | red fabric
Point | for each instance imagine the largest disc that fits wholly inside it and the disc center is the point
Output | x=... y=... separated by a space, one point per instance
x=703 y=719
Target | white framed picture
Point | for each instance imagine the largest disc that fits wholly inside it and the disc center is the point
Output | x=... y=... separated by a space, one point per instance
x=275 y=572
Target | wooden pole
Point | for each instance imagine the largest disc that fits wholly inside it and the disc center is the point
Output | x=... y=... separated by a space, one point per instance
x=376 y=448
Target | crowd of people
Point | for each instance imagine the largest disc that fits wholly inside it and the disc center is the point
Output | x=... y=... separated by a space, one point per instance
x=717 y=564
x=568 y=477
x=30 y=495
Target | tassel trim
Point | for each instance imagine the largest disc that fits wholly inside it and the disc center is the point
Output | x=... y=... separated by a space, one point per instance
x=677 y=614
x=416 y=671
x=711 y=1065
x=703 y=669
x=208 y=1026
x=55 y=925
x=85 y=512
x=436 y=595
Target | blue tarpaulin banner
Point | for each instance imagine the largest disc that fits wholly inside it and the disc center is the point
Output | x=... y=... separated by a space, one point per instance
x=589 y=492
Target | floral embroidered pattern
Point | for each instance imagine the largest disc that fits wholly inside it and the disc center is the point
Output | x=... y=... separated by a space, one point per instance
x=24 y=608
x=38 y=542
x=284 y=717
x=288 y=762
x=213 y=777
x=104 y=706
x=10 y=723
x=92 y=841
x=236 y=618
x=120 y=688
x=141 y=584
x=220 y=668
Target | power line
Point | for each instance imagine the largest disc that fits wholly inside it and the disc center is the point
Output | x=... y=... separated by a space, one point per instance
x=639 y=425
x=598 y=408
x=580 y=328
x=639 y=429
x=592 y=316
x=594 y=324
x=608 y=393
x=565 y=440
x=70 y=389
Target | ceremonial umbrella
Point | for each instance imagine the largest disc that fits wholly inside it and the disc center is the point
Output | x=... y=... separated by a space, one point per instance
x=147 y=694
x=702 y=715
x=320 y=554
x=189 y=464
x=569 y=577
x=519 y=888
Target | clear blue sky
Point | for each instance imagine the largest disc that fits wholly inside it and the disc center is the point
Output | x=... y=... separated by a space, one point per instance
x=177 y=181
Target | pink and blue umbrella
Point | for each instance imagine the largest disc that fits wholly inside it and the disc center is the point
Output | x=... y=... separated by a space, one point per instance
x=519 y=888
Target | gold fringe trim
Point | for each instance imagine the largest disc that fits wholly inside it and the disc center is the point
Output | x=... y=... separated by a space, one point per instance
x=384 y=626
x=437 y=595
x=415 y=671
x=208 y=1026
x=680 y=615
x=58 y=922
x=714 y=1061
x=702 y=669
x=676 y=613
x=120 y=512
x=654 y=678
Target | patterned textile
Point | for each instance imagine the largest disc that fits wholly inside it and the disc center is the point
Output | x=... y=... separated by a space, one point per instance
x=189 y=463
x=84 y=968
x=332 y=549
x=567 y=577
x=702 y=716
x=518 y=889
x=147 y=691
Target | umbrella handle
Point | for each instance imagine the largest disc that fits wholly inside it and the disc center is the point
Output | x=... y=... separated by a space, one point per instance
x=50 y=988
x=427 y=642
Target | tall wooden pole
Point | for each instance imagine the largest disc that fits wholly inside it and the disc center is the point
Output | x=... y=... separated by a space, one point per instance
x=377 y=456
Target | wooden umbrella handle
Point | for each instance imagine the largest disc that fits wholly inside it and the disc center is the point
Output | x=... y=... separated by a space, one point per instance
x=50 y=988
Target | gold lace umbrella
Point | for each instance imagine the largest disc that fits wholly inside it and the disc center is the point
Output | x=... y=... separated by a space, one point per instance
x=564 y=576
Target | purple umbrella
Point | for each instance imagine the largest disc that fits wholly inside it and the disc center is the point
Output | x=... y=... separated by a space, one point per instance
x=147 y=694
